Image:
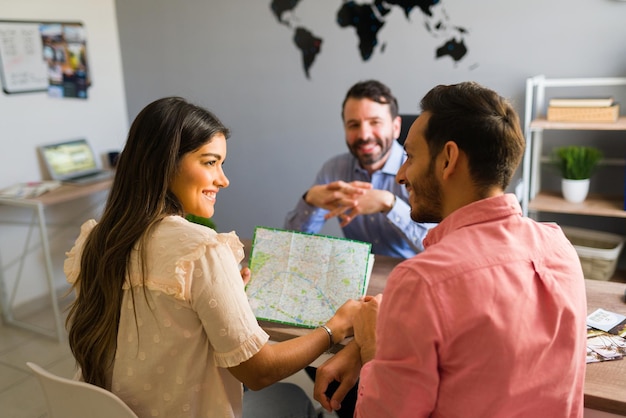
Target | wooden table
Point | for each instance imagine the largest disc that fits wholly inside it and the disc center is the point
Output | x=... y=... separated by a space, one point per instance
x=605 y=383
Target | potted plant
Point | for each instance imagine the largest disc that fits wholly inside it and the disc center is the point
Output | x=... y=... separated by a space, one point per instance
x=576 y=164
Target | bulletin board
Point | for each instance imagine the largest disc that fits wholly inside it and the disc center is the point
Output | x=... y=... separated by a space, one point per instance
x=44 y=56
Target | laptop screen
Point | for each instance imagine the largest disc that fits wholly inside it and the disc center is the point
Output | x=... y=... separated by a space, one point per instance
x=69 y=159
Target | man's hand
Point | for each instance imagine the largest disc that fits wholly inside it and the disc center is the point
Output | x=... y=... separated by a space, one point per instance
x=344 y=367
x=348 y=200
x=372 y=201
x=336 y=194
x=365 y=327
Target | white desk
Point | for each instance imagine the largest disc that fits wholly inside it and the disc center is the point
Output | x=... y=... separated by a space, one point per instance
x=65 y=193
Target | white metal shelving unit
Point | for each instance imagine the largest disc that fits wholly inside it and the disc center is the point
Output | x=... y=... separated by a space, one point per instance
x=535 y=124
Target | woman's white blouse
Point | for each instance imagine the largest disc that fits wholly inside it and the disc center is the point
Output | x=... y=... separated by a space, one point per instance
x=176 y=339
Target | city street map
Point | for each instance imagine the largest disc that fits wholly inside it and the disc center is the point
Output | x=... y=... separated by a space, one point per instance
x=301 y=279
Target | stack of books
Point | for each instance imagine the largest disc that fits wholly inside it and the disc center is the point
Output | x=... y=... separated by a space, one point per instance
x=583 y=110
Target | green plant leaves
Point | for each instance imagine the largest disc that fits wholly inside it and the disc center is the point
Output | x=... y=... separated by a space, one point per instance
x=576 y=162
x=200 y=220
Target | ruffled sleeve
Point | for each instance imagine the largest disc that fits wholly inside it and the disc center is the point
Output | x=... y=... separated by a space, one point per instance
x=71 y=266
x=219 y=298
x=199 y=267
x=232 y=240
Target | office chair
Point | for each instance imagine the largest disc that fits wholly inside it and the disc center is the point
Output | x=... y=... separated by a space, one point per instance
x=407 y=121
x=68 y=398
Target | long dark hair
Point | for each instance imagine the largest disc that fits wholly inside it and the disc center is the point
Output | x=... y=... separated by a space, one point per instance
x=161 y=134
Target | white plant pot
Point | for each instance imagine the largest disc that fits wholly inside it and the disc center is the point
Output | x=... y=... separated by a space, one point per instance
x=575 y=191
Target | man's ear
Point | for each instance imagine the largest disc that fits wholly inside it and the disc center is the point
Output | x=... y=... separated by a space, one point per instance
x=397 y=125
x=450 y=156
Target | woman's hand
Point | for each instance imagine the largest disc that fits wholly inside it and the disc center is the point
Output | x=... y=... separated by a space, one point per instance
x=245 y=275
x=341 y=324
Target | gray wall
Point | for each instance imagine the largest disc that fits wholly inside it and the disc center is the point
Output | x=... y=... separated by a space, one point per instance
x=234 y=58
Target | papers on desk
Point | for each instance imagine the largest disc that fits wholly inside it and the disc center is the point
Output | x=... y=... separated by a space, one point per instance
x=301 y=279
x=29 y=190
x=606 y=336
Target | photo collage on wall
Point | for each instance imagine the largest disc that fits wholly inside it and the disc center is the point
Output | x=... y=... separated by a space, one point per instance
x=65 y=54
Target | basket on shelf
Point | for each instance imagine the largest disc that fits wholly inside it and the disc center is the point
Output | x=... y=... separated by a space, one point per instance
x=598 y=251
x=583 y=114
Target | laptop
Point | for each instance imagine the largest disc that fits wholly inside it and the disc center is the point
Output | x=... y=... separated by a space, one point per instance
x=73 y=162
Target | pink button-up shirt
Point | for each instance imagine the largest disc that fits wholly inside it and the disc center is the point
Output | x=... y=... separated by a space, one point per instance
x=489 y=322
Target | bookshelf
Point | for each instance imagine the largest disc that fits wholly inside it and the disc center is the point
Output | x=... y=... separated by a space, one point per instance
x=535 y=124
x=536 y=199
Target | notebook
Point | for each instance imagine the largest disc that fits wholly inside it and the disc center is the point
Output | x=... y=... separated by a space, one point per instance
x=73 y=162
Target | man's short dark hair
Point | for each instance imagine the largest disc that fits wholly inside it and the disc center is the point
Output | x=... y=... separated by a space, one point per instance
x=373 y=90
x=483 y=124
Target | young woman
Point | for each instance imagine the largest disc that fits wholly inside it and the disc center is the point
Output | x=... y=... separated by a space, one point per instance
x=161 y=317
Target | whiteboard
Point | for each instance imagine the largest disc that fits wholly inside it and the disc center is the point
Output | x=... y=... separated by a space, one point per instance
x=22 y=65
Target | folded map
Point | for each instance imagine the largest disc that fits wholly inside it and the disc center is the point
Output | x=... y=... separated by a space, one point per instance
x=301 y=279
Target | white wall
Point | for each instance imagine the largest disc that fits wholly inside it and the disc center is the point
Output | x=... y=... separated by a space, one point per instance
x=28 y=120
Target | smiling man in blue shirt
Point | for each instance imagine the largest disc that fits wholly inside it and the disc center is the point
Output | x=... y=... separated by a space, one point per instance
x=358 y=187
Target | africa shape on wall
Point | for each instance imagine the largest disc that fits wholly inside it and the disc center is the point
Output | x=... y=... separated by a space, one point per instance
x=367 y=19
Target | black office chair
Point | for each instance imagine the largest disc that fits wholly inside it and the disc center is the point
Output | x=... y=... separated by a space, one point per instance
x=407 y=121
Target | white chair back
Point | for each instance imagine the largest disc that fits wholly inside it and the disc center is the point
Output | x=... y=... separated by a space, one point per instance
x=68 y=398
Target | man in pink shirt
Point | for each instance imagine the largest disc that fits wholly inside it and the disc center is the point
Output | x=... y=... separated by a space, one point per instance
x=488 y=321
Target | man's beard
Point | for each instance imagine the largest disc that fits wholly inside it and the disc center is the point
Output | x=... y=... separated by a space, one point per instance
x=429 y=193
x=370 y=159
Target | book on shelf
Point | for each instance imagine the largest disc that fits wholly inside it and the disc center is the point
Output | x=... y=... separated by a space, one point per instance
x=582 y=102
x=301 y=279
x=583 y=114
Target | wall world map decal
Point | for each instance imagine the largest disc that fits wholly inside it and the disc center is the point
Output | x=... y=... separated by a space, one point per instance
x=367 y=19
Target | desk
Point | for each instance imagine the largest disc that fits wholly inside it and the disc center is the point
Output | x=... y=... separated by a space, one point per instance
x=605 y=383
x=65 y=193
